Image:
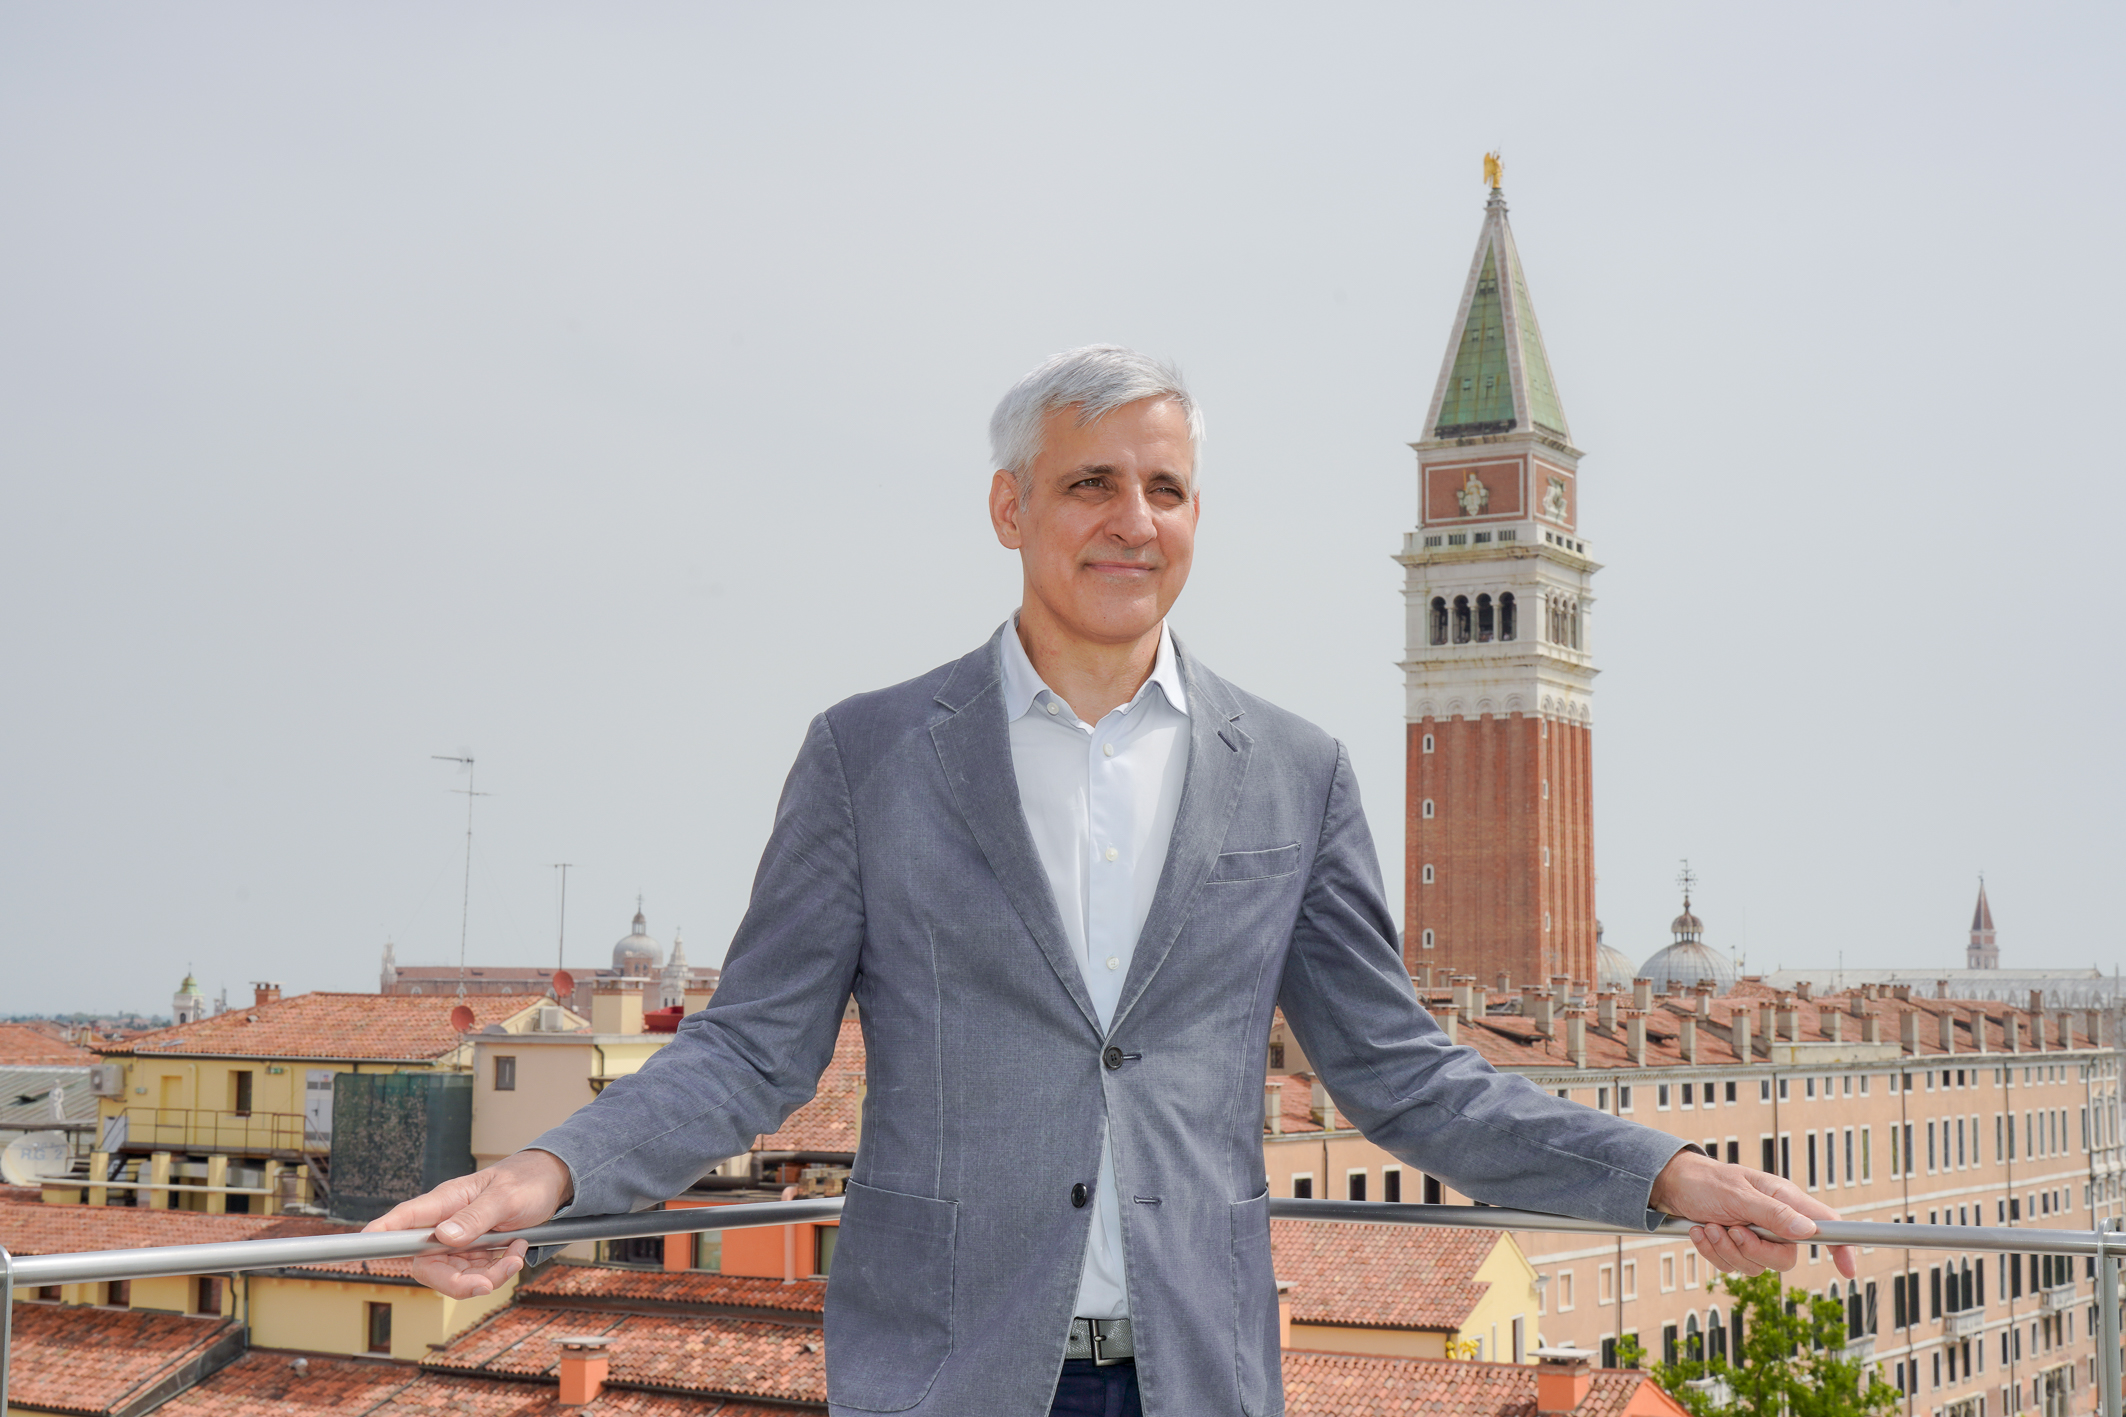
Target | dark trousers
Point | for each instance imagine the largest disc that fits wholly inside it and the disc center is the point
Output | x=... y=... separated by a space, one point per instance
x=1086 y=1390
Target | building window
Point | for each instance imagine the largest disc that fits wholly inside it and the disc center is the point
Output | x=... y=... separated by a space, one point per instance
x=1428 y=742
x=1809 y=1150
x=240 y=1080
x=1808 y=1089
x=1764 y=1089
x=1276 y=1054
x=1302 y=1186
x=1427 y=810
x=1509 y=624
x=1485 y=620
x=1782 y=1090
x=1546 y=856
x=206 y=1294
x=1731 y=1094
x=1428 y=873
x=1428 y=939
x=1668 y=1273
x=1631 y=1279
x=1439 y=637
x=505 y=1074
x=1661 y=1097
x=1564 y=1291
x=1433 y=1191
x=118 y=1294
x=1624 y=1097
x=379 y=1329
x=1355 y=1186
x=1391 y=1184
x=1606 y=1284
x=1461 y=620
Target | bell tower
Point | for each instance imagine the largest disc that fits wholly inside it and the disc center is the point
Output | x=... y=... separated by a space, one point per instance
x=1498 y=673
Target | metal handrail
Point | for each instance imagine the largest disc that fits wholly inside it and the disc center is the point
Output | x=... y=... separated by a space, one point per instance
x=240 y=1255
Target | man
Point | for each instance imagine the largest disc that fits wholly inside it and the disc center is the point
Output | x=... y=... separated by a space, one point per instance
x=1067 y=879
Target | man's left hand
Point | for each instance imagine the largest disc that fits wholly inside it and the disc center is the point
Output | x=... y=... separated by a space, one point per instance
x=1722 y=1202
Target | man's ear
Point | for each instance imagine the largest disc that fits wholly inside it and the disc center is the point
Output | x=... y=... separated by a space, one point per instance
x=1004 y=509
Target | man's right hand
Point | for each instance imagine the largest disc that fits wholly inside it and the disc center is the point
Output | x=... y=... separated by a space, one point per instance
x=514 y=1194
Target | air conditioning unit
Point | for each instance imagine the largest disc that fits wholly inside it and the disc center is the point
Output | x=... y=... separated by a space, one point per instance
x=108 y=1079
x=553 y=1019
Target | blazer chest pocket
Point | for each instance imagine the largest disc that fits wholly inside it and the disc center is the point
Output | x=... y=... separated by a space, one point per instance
x=1255 y=865
x=889 y=1299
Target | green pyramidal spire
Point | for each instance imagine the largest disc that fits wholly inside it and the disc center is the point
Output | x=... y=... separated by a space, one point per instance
x=1496 y=378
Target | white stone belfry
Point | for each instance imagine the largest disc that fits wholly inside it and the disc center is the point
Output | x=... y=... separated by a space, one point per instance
x=188 y=1004
x=672 y=985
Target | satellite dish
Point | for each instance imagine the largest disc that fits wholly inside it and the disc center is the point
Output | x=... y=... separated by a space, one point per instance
x=461 y=1019
x=564 y=984
x=32 y=1159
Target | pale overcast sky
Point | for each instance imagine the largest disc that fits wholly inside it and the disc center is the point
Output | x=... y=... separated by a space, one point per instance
x=603 y=388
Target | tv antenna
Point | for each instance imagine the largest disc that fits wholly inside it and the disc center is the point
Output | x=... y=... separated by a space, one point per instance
x=561 y=945
x=464 y=757
x=1686 y=880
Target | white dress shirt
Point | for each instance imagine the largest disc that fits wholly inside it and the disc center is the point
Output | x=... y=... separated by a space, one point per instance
x=1100 y=800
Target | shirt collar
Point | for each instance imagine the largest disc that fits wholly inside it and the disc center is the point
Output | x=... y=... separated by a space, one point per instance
x=1023 y=686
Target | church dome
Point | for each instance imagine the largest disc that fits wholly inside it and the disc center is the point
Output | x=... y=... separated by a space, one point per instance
x=1612 y=968
x=1684 y=963
x=638 y=954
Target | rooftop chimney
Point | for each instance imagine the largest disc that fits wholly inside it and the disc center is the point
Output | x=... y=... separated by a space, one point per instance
x=1832 y=1023
x=583 y=1363
x=265 y=993
x=1801 y=989
x=1448 y=1021
x=1977 y=1020
x=1739 y=1023
x=1635 y=1040
x=2011 y=1031
x=1576 y=1039
x=1941 y=988
x=1642 y=994
x=1273 y=1106
x=1562 y=1379
x=1945 y=1024
x=1871 y=1029
x=1505 y=982
x=1908 y=1031
x=1543 y=1010
x=616 y=1006
x=1606 y=1009
x=1688 y=1039
x=1322 y=1109
x=2037 y=1001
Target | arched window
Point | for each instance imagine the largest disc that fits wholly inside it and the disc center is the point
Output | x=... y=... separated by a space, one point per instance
x=1485 y=628
x=1856 y=1314
x=1715 y=1334
x=1507 y=617
x=1554 y=619
x=1428 y=875
x=1573 y=624
x=1693 y=1341
x=1427 y=808
x=1439 y=620
x=1428 y=939
x=1428 y=742
x=1461 y=619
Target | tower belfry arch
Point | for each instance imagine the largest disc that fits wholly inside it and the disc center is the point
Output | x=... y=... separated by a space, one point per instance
x=1498 y=671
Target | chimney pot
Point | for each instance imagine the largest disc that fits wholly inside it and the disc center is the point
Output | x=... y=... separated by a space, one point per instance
x=267 y=992
x=1642 y=994
x=1273 y=1106
x=1562 y=1379
x=583 y=1368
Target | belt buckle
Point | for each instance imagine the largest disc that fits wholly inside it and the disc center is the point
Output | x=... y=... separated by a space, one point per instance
x=1099 y=1338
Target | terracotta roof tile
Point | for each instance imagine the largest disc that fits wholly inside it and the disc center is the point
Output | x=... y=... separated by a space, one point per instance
x=36 y=1229
x=1381 y=1276
x=829 y=1121
x=706 y=1353
x=396 y=1026
x=268 y=1385
x=79 y=1359
x=562 y=1281
x=1343 y=1385
x=23 y=1046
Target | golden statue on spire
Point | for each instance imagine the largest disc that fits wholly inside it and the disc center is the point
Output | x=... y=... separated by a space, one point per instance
x=1494 y=171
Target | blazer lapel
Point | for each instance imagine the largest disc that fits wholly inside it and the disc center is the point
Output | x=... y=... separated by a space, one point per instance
x=1210 y=793
x=974 y=747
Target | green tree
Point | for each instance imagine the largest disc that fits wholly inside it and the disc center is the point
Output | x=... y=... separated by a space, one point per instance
x=1791 y=1363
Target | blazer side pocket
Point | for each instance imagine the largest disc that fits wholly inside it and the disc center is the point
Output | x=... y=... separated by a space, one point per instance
x=1255 y=865
x=889 y=1299
x=1256 y=1357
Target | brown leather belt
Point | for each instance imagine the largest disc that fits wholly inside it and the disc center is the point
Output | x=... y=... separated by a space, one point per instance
x=1105 y=1341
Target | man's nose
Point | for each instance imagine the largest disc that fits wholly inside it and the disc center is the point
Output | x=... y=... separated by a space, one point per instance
x=1130 y=520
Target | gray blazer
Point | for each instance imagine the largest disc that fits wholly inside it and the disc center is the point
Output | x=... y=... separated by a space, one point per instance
x=900 y=869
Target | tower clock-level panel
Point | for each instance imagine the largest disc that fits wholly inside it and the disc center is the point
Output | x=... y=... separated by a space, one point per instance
x=1498 y=664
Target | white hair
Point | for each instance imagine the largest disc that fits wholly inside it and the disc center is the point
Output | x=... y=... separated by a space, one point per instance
x=1096 y=379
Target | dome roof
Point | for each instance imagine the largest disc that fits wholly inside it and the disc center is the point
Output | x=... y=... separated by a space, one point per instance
x=637 y=953
x=1612 y=968
x=1686 y=924
x=1686 y=962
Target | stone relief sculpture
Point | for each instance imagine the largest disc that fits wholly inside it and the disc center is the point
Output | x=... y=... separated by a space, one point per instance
x=1474 y=496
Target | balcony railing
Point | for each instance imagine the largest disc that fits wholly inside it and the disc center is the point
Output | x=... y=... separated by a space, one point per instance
x=2105 y=1246
x=202 y=1129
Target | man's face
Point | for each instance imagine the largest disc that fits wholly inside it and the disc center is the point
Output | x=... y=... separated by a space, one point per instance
x=1107 y=525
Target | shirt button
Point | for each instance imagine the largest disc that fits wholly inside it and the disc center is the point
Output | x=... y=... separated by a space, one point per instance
x=1113 y=962
x=1112 y=853
x=1078 y=1193
x=1112 y=1057
x=1107 y=749
x=1052 y=708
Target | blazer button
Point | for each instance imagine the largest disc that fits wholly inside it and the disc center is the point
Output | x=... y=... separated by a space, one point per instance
x=1113 y=1058
x=1078 y=1194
